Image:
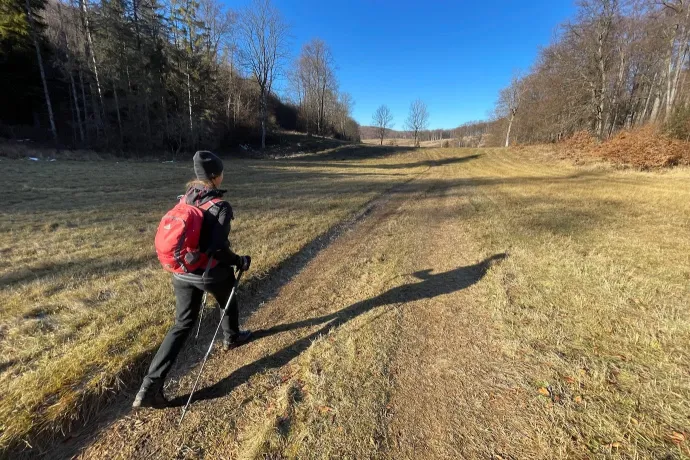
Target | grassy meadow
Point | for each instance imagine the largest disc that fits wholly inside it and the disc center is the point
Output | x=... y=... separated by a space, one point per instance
x=575 y=344
x=83 y=299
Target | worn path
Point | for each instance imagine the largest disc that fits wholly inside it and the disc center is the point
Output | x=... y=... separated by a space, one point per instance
x=410 y=337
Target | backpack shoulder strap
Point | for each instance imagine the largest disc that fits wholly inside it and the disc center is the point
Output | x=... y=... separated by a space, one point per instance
x=209 y=204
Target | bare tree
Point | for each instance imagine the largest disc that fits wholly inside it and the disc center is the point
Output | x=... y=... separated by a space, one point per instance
x=89 y=45
x=314 y=75
x=417 y=120
x=383 y=120
x=678 y=36
x=263 y=38
x=342 y=113
x=509 y=102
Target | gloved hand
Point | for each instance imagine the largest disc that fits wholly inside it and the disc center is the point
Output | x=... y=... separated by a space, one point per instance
x=246 y=262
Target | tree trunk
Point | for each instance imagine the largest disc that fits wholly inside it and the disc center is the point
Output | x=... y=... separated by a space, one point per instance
x=96 y=111
x=189 y=101
x=263 y=118
x=76 y=106
x=679 y=65
x=117 y=110
x=135 y=12
x=236 y=109
x=227 y=111
x=147 y=119
x=89 y=38
x=614 y=101
x=74 y=122
x=164 y=107
x=649 y=98
x=321 y=107
x=83 y=101
x=655 y=107
x=599 y=129
x=510 y=126
x=46 y=94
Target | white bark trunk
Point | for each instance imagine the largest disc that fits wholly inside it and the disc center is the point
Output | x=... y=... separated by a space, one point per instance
x=602 y=89
x=510 y=125
x=189 y=102
x=611 y=124
x=679 y=64
x=89 y=38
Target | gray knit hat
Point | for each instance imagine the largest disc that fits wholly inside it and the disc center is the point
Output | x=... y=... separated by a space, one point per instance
x=207 y=166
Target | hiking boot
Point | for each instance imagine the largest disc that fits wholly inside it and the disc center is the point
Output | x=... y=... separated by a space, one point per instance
x=150 y=398
x=237 y=340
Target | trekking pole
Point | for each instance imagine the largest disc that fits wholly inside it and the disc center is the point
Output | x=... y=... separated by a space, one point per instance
x=210 y=347
x=201 y=315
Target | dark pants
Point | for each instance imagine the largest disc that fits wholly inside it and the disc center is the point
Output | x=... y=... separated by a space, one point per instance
x=189 y=291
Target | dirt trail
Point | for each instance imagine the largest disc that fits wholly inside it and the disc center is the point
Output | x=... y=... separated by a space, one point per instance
x=377 y=348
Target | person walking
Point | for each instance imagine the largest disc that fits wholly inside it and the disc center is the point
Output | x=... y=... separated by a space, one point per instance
x=216 y=277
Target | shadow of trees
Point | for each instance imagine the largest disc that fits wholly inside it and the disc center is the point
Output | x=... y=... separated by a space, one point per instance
x=72 y=267
x=440 y=162
x=429 y=286
x=356 y=152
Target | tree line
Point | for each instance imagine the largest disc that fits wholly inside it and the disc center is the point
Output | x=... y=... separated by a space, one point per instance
x=470 y=134
x=323 y=110
x=145 y=75
x=415 y=124
x=615 y=66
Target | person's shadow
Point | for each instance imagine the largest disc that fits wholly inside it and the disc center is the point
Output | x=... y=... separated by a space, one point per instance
x=429 y=286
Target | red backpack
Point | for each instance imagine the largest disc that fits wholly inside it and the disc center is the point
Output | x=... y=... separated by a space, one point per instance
x=177 y=238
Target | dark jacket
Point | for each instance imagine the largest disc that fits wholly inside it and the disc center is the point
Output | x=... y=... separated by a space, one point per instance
x=216 y=227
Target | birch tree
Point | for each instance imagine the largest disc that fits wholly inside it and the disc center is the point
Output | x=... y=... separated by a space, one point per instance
x=509 y=103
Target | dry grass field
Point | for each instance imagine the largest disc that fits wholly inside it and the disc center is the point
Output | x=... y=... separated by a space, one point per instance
x=83 y=298
x=488 y=304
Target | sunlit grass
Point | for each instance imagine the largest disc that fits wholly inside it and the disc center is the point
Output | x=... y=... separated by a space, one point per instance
x=588 y=317
x=84 y=301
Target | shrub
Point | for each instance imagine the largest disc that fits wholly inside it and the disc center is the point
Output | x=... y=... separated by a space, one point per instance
x=678 y=125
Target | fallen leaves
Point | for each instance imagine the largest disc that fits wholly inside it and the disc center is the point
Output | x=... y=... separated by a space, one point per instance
x=543 y=391
x=325 y=409
x=646 y=147
x=676 y=437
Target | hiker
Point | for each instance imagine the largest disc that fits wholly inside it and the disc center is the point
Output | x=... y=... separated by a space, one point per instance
x=215 y=276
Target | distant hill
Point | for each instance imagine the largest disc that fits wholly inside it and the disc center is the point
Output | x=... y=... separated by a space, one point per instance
x=372 y=132
x=470 y=134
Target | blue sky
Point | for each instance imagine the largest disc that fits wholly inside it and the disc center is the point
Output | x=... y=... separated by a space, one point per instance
x=453 y=55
